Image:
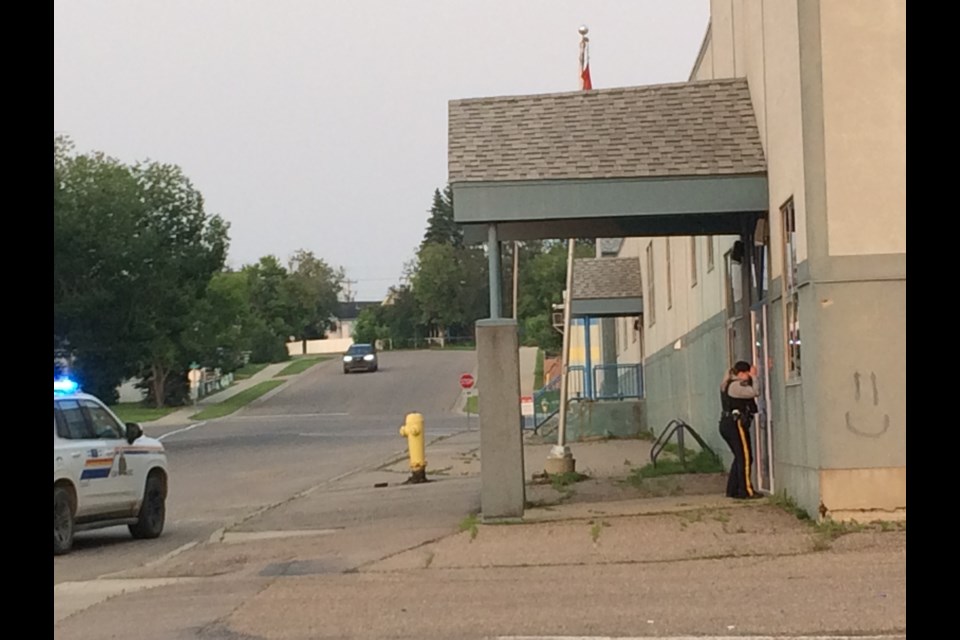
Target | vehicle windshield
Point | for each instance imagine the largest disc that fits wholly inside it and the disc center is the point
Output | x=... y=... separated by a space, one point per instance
x=360 y=349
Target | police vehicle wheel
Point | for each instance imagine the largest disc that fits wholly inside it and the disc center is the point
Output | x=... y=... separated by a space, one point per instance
x=62 y=522
x=152 y=510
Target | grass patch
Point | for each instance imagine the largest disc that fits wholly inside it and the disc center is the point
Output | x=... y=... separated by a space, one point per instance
x=562 y=481
x=238 y=401
x=473 y=405
x=248 y=370
x=827 y=531
x=470 y=524
x=138 y=412
x=699 y=462
x=300 y=365
x=787 y=503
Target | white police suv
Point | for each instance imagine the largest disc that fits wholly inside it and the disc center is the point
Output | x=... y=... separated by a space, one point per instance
x=105 y=472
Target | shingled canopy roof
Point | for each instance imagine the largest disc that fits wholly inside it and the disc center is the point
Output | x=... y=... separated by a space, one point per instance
x=676 y=159
x=606 y=287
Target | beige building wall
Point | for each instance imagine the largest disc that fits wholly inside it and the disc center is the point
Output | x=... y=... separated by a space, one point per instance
x=758 y=40
x=864 y=48
x=831 y=445
x=629 y=342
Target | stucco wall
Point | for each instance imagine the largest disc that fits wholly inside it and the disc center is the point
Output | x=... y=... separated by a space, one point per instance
x=864 y=52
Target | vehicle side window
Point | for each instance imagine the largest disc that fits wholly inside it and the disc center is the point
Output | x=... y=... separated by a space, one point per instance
x=59 y=424
x=73 y=424
x=104 y=426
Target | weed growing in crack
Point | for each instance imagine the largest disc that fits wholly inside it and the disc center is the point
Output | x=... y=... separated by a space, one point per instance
x=470 y=524
x=596 y=529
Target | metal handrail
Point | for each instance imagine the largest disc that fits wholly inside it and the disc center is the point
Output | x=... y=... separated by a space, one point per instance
x=677 y=426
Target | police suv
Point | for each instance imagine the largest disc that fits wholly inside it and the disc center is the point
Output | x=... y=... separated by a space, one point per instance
x=105 y=472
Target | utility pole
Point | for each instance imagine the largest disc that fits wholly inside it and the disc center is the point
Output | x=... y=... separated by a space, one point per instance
x=516 y=274
x=348 y=292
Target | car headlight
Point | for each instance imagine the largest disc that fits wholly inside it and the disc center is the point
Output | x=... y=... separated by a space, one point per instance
x=369 y=357
x=348 y=358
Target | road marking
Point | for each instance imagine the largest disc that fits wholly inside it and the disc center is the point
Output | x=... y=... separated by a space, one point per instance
x=293 y=415
x=183 y=430
x=72 y=597
x=248 y=536
x=379 y=435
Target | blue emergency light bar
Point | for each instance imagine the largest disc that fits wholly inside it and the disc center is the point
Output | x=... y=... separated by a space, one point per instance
x=65 y=385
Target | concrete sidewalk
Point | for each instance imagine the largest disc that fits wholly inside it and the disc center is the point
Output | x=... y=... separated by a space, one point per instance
x=368 y=556
x=181 y=416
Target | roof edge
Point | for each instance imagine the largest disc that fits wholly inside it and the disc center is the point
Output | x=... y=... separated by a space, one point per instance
x=707 y=37
x=666 y=85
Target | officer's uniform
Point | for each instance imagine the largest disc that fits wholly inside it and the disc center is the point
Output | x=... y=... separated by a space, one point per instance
x=734 y=427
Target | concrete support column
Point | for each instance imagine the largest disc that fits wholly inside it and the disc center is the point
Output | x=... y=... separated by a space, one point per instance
x=587 y=359
x=493 y=262
x=502 y=489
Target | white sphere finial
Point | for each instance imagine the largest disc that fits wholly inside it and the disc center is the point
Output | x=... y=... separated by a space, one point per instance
x=583 y=30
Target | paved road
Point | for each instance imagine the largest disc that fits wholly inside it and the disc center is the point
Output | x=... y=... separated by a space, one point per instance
x=316 y=428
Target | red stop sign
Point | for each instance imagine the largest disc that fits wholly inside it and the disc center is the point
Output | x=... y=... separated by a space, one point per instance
x=466 y=381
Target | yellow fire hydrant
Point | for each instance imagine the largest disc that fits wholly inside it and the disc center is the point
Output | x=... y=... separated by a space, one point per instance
x=412 y=430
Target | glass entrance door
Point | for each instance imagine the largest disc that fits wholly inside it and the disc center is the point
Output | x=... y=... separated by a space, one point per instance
x=763 y=421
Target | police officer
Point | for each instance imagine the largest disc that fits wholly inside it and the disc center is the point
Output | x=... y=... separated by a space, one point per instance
x=738 y=396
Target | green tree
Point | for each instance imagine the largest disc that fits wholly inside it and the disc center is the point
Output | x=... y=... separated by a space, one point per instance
x=312 y=289
x=182 y=248
x=133 y=253
x=441 y=228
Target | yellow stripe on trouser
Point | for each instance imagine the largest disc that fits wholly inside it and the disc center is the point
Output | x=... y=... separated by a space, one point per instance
x=746 y=455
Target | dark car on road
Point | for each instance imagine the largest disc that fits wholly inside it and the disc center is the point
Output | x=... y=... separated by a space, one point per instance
x=360 y=357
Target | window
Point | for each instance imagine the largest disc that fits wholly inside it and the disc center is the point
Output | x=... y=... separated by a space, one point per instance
x=104 y=426
x=709 y=253
x=693 y=262
x=669 y=278
x=791 y=296
x=650 y=305
x=732 y=294
x=72 y=424
x=636 y=328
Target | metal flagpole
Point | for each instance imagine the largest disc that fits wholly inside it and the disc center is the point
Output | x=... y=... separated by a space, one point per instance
x=561 y=459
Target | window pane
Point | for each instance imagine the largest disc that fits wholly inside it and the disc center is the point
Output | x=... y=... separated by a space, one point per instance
x=104 y=426
x=793 y=335
x=77 y=427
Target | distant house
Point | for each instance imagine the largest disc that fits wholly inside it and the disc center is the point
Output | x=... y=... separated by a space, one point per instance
x=346 y=317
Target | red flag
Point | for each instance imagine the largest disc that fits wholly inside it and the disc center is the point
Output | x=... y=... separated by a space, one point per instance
x=585 y=83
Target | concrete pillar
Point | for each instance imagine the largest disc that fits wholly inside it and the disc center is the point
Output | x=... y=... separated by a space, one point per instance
x=493 y=269
x=587 y=359
x=502 y=489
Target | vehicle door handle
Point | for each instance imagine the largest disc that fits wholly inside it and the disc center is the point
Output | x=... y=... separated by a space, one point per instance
x=76 y=455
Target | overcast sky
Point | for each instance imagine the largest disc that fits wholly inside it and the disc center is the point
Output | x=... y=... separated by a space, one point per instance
x=323 y=125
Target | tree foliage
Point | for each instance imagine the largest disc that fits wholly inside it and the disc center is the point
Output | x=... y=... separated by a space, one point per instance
x=449 y=289
x=140 y=287
x=134 y=251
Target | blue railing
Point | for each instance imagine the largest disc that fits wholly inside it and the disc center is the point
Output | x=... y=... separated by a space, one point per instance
x=546 y=401
x=617 y=381
x=610 y=382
